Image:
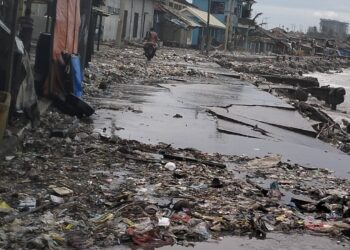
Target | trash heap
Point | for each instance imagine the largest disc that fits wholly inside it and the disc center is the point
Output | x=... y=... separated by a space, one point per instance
x=121 y=65
x=84 y=190
x=279 y=64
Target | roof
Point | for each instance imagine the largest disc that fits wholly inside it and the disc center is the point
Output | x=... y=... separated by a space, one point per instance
x=202 y=17
x=184 y=2
x=178 y=18
x=270 y=35
x=100 y=11
x=333 y=21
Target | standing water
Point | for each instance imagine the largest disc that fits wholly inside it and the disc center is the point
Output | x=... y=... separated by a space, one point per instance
x=337 y=80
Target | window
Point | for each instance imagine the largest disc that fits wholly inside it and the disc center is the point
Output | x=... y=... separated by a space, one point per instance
x=136 y=24
x=125 y=23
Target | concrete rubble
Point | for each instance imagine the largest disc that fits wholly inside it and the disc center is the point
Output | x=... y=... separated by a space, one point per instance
x=71 y=187
x=87 y=190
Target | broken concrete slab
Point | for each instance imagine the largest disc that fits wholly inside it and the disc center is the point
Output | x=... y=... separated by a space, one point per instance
x=214 y=93
x=199 y=130
x=272 y=116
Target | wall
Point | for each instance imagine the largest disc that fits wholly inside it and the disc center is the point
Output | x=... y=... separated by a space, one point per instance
x=39 y=9
x=39 y=19
x=136 y=6
x=172 y=33
x=110 y=23
x=203 y=5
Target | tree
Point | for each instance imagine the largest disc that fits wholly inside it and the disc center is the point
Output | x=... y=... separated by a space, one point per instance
x=247 y=8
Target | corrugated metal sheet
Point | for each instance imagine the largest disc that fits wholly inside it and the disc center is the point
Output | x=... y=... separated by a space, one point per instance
x=202 y=16
x=189 y=22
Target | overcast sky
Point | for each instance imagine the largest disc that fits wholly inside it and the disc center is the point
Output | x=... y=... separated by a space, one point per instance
x=299 y=14
x=302 y=13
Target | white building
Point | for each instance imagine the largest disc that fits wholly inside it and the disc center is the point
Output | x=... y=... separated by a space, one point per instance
x=137 y=19
x=110 y=23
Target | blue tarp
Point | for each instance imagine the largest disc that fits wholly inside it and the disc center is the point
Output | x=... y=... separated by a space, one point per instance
x=77 y=75
x=344 y=52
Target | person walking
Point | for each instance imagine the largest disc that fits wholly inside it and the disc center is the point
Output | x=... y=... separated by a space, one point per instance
x=151 y=44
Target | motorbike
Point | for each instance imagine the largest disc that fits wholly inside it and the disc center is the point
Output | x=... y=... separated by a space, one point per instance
x=150 y=50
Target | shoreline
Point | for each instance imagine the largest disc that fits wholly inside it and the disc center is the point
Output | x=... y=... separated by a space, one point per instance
x=297 y=66
x=289 y=80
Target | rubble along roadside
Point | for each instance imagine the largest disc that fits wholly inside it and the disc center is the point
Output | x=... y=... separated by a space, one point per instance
x=86 y=190
x=113 y=66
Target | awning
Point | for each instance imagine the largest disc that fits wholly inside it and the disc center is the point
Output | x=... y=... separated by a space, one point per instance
x=202 y=16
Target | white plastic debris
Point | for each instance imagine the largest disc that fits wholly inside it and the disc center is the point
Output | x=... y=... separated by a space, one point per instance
x=163 y=222
x=170 y=166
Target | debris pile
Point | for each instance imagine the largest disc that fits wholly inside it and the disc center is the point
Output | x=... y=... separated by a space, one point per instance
x=121 y=65
x=279 y=66
x=82 y=189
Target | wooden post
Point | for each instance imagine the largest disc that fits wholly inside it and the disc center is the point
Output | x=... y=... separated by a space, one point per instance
x=48 y=10
x=208 y=26
x=53 y=10
x=228 y=24
x=99 y=33
x=13 y=27
x=120 y=23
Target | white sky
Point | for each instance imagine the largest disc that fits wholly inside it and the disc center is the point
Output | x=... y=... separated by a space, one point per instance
x=300 y=14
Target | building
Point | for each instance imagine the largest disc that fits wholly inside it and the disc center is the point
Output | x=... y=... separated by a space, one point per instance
x=138 y=15
x=219 y=9
x=334 y=28
x=110 y=22
x=176 y=4
x=172 y=26
x=134 y=17
x=241 y=25
x=217 y=28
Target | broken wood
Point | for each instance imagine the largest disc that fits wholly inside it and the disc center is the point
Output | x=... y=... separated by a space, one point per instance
x=313 y=113
x=11 y=218
x=332 y=96
x=190 y=159
x=264 y=191
x=305 y=82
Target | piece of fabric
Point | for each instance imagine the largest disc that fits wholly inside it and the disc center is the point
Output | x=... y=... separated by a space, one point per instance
x=67 y=27
x=77 y=75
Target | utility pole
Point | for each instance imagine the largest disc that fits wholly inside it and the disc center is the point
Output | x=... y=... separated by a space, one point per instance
x=120 y=23
x=228 y=24
x=231 y=32
x=208 y=26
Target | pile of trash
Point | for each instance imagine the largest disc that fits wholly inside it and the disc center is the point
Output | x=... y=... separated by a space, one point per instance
x=113 y=66
x=82 y=189
x=281 y=65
